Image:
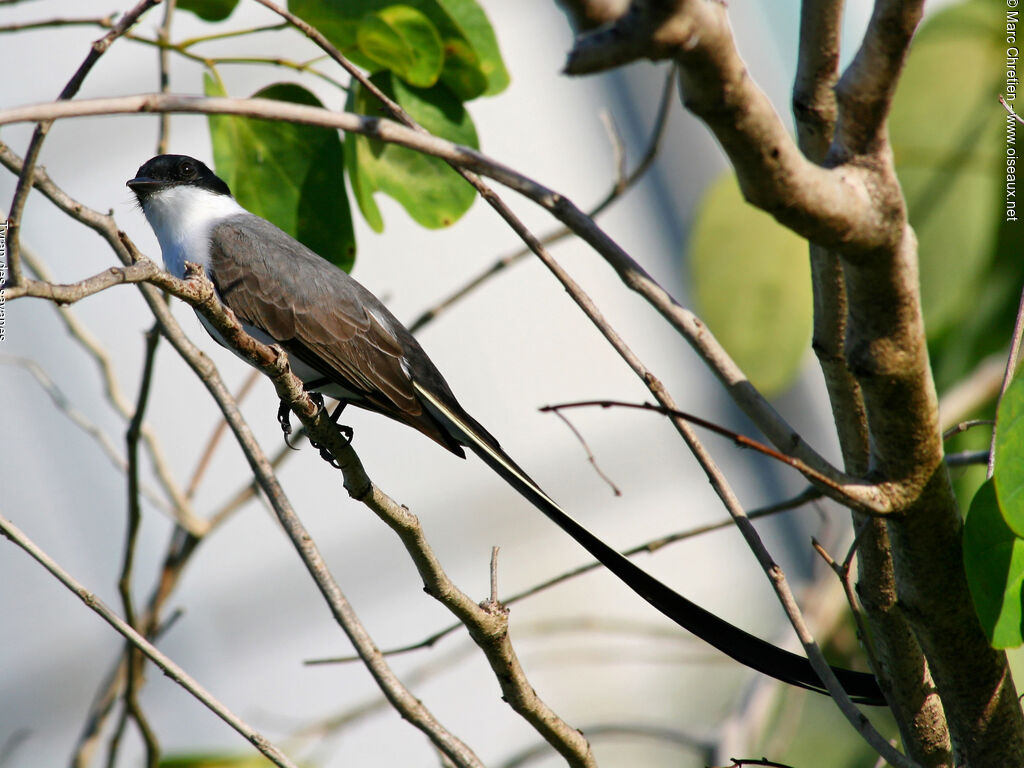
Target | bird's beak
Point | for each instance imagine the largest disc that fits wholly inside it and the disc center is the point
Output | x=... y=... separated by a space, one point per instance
x=144 y=185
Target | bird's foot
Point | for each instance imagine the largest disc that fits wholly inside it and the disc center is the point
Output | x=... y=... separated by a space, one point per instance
x=346 y=431
x=284 y=418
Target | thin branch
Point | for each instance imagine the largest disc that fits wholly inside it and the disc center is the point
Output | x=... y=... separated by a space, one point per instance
x=164 y=35
x=106 y=22
x=190 y=41
x=741 y=440
x=79 y=419
x=844 y=573
x=172 y=670
x=99 y=47
x=134 y=660
x=590 y=454
x=967 y=396
x=494 y=601
x=963 y=426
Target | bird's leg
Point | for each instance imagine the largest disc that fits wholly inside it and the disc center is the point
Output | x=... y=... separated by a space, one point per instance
x=346 y=431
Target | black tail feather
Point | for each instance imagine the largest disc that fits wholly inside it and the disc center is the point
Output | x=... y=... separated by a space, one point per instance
x=745 y=648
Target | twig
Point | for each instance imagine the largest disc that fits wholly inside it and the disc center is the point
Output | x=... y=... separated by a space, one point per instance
x=963 y=426
x=741 y=440
x=99 y=47
x=164 y=35
x=1011 y=369
x=845 y=574
x=93 y=21
x=65 y=406
x=190 y=41
x=133 y=660
x=586 y=448
x=172 y=670
x=968 y=395
x=494 y=601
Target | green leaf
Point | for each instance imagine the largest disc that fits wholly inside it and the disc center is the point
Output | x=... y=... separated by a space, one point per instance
x=289 y=174
x=433 y=194
x=471 y=44
x=472 y=60
x=994 y=564
x=751 y=283
x=1009 y=467
x=208 y=10
x=402 y=39
x=948 y=135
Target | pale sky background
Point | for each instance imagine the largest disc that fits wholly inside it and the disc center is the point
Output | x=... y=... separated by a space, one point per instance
x=251 y=615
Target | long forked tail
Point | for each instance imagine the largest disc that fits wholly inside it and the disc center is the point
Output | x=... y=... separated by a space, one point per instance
x=748 y=650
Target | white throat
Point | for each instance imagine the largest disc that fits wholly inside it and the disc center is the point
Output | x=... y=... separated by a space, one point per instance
x=182 y=218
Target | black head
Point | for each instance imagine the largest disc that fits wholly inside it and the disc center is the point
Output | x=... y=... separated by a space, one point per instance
x=166 y=171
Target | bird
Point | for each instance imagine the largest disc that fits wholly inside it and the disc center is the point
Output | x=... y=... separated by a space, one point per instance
x=343 y=342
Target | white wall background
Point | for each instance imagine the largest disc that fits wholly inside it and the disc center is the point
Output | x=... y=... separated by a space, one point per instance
x=251 y=614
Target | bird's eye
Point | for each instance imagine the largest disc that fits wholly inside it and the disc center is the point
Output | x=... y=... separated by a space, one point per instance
x=187 y=169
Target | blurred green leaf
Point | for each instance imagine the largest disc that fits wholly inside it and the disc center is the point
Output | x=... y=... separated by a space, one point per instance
x=472 y=60
x=948 y=134
x=471 y=44
x=433 y=194
x=462 y=73
x=215 y=760
x=292 y=175
x=208 y=10
x=1009 y=467
x=994 y=564
x=751 y=283
x=403 y=40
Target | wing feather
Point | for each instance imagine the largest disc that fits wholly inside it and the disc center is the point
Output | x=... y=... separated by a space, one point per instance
x=326 y=319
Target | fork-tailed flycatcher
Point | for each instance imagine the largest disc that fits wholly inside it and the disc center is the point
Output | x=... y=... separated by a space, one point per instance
x=343 y=342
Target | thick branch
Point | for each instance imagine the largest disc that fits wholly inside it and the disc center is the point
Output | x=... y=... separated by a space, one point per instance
x=867 y=87
x=832 y=207
x=814 y=100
